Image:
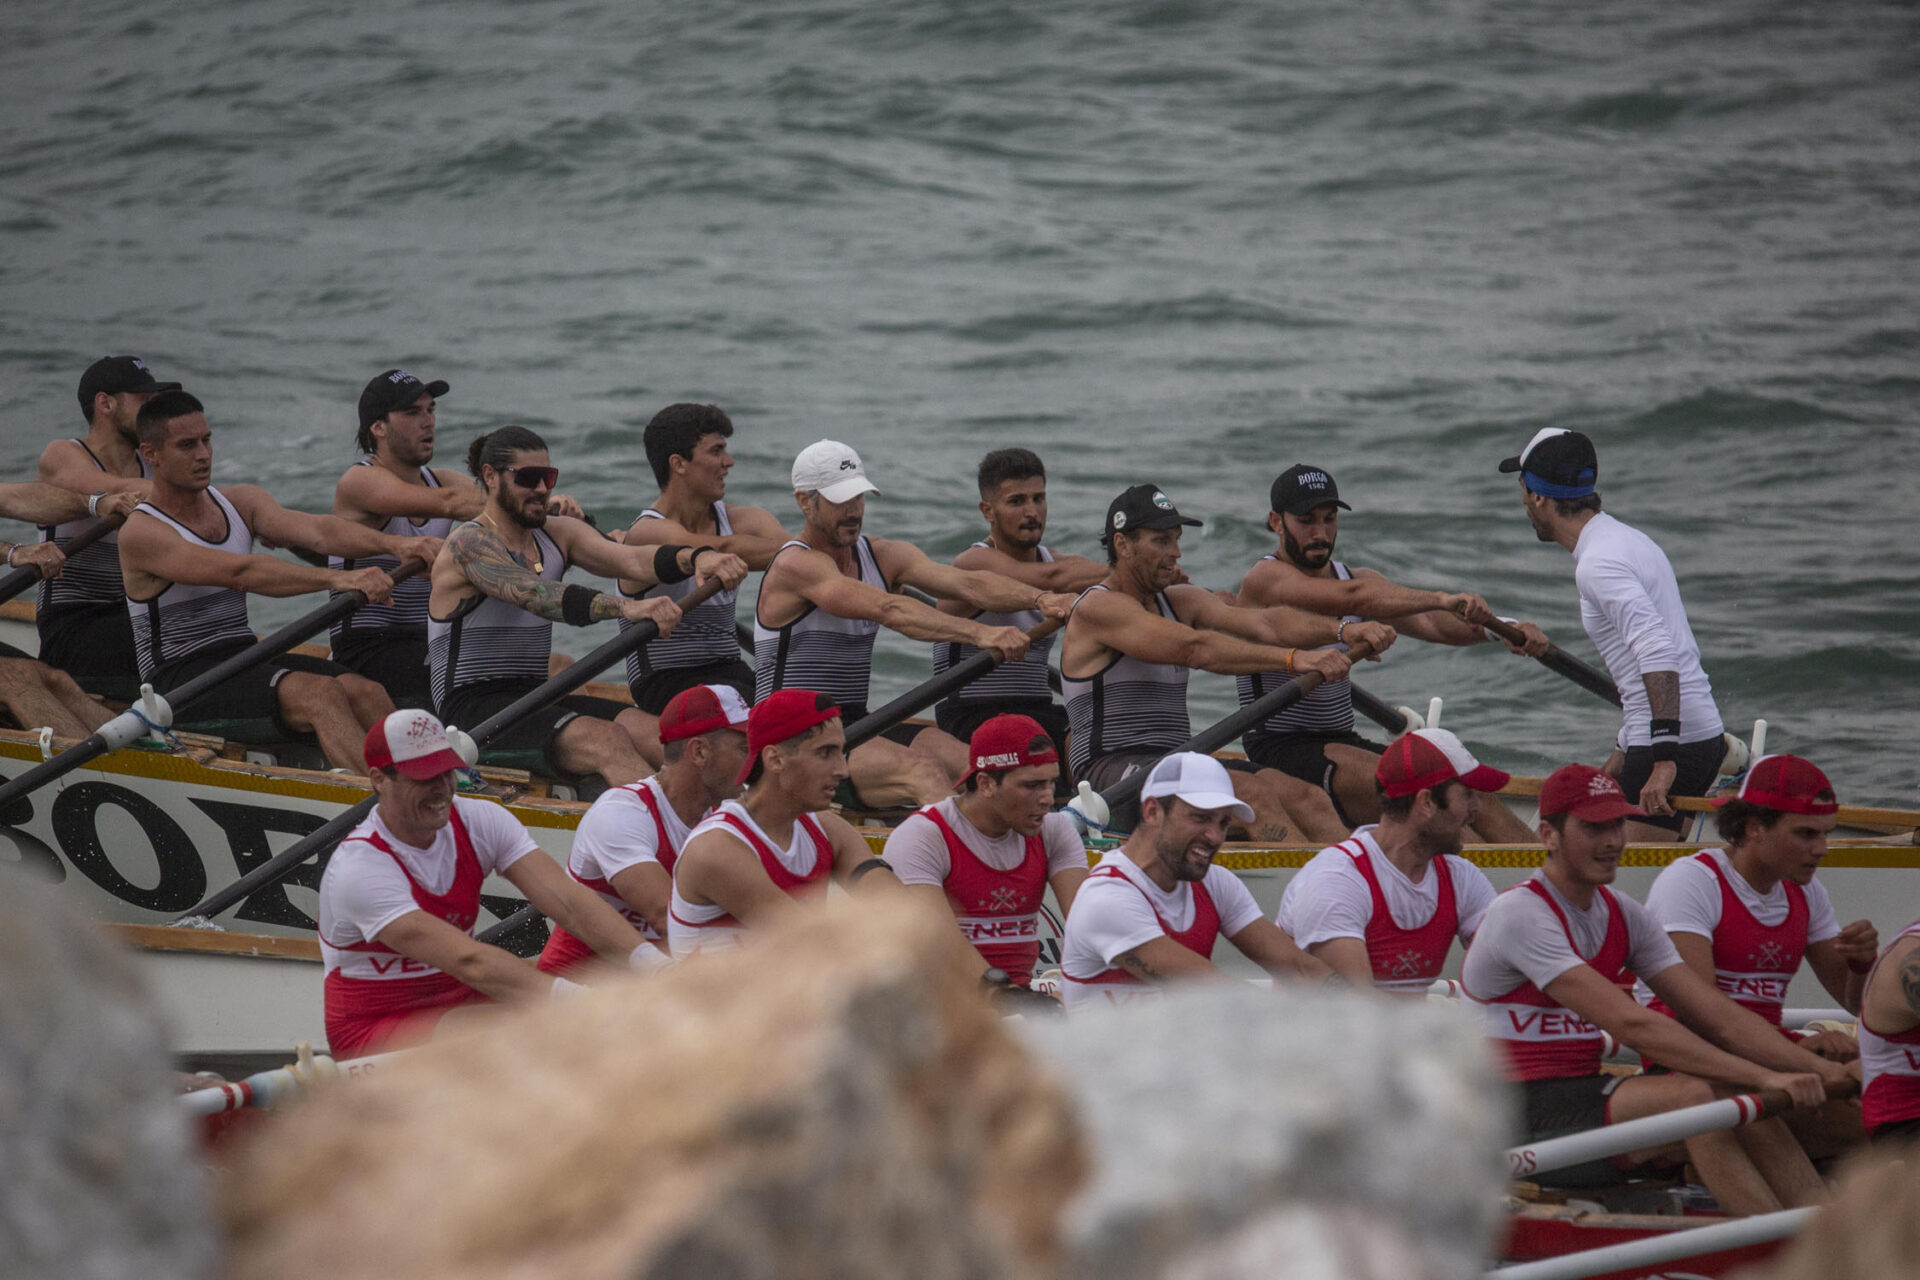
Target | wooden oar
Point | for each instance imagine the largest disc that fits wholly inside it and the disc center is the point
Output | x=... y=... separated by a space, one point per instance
x=136 y=720
x=282 y=864
x=928 y=692
x=1853 y=815
x=28 y=574
x=1560 y=662
x=1388 y=718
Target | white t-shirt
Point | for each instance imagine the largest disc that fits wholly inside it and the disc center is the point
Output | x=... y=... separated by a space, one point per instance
x=617 y=831
x=1630 y=606
x=693 y=928
x=363 y=891
x=1329 y=898
x=1109 y=918
x=1520 y=941
x=917 y=851
x=1685 y=898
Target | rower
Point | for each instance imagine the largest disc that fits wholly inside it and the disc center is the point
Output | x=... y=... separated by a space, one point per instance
x=827 y=593
x=1384 y=906
x=1314 y=739
x=1150 y=913
x=687 y=448
x=1013 y=498
x=497 y=592
x=186 y=556
x=1890 y=1044
x=1670 y=741
x=630 y=838
x=401 y=894
x=748 y=864
x=989 y=854
x=1134 y=637
x=34 y=694
x=1546 y=969
x=82 y=613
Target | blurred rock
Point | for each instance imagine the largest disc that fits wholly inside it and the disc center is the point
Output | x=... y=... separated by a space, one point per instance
x=100 y=1174
x=1871 y=1231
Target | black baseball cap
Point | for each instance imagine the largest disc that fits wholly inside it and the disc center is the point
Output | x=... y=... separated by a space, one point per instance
x=394 y=389
x=1301 y=488
x=1142 y=507
x=1557 y=463
x=117 y=375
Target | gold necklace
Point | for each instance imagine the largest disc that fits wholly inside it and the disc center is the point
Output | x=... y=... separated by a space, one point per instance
x=534 y=563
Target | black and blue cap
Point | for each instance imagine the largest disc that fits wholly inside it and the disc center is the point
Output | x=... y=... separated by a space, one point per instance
x=1557 y=463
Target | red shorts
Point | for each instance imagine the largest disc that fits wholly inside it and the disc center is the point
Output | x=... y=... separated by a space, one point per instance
x=374 y=1017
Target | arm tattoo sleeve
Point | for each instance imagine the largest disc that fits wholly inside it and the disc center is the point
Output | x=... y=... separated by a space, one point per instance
x=1663 y=694
x=1133 y=964
x=1910 y=981
x=491 y=567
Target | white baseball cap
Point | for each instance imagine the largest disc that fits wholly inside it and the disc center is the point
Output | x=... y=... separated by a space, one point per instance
x=1200 y=780
x=832 y=470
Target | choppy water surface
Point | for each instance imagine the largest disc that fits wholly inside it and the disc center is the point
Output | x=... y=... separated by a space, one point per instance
x=1185 y=242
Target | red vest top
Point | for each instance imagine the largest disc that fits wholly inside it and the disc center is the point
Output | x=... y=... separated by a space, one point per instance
x=812 y=884
x=1539 y=1039
x=565 y=952
x=999 y=911
x=1754 y=962
x=1406 y=961
x=1890 y=1068
x=1197 y=937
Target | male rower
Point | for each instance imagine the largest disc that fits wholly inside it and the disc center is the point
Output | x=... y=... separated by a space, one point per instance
x=1135 y=636
x=1149 y=915
x=1013 y=498
x=497 y=592
x=187 y=561
x=1890 y=1044
x=1384 y=906
x=687 y=448
x=630 y=838
x=757 y=857
x=1314 y=739
x=827 y=593
x=990 y=853
x=82 y=613
x=1670 y=741
x=1546 y=969
x=401 y=894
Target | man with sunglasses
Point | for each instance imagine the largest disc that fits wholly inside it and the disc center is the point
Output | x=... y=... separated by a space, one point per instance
x=496 y=593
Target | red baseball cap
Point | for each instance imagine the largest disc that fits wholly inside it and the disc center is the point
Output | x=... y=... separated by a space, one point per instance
x=784 y=714
x=1787 y=783
x=414 y=742
x=1587 y=793
x=1007 y=742
x=702 y=709
x=1429 y=757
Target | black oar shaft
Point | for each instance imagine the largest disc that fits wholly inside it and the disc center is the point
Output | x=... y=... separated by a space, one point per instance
x=1218 y=735
x=928 y=692
x=1562 y=663
x=27 y=574
x=1376 y=710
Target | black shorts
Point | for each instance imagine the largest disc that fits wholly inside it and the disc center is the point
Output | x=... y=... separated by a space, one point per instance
x=1117 y=765
x=1550 y=1108
x=94 y=645
x=653 y=694
x=1303 y=755
x=902 y=733
x=245 y=707
x=961 y=718
x=1695 y=768
x=395 y=658
x=527 y=744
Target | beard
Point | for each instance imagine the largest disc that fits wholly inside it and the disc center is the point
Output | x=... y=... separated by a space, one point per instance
x=1305 y=559
x=516 y=507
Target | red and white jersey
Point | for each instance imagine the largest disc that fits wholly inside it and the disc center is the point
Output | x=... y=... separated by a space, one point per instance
x=799 y=871
x=1890 y=1068
x=1119 y=908
x=624 y=827
x=1753 y=959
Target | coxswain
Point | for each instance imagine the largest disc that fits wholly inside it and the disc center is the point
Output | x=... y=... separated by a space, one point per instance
x=1890 y=1044
x=1384 y=906
x=756 y=857
x=1133 y=639
x=400 y=897
x=82 y=612
x=989 y=854
x=1013 y=500
x=1670 y=741
x=1547 y=970
x=686 y=446
x=497 y=591
x=630 y=837
x=1314 y=739
x=187 y=561
x=827 y=593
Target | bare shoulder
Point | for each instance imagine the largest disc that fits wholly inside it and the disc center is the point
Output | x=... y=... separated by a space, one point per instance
x=755 y=520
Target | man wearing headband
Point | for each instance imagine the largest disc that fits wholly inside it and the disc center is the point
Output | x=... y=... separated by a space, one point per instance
x=756 y=857
x=1670 y=741
x=990 y=853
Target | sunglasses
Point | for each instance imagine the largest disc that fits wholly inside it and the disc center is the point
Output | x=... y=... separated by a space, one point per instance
x=534 y=477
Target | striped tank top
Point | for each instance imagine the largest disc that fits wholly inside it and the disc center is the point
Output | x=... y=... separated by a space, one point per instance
x=1127 y=705
x=184 y=619
x=817 y=650
x=488 y=640
x=408 y=607
x=1328 y=709
x=91 y=577
x=1025 y=679
x=704 y=636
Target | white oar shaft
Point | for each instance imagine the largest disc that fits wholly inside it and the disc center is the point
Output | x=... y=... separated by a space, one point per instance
x=1670 y=1246
x=1650 y=1131
x=1793 y=1019
x=271 y=1088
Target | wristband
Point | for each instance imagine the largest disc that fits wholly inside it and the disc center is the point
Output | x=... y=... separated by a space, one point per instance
x=1340 y=632
x=871 y=864
x=1664 y=739
x=11 y=548
x=666 y=564
x=646 y=958
x=576 y=605
x=93 y=503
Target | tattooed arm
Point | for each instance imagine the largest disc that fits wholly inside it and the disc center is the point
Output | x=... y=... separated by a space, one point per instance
x=477 y=561
x=1164 y=960
x=1892 y=1002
